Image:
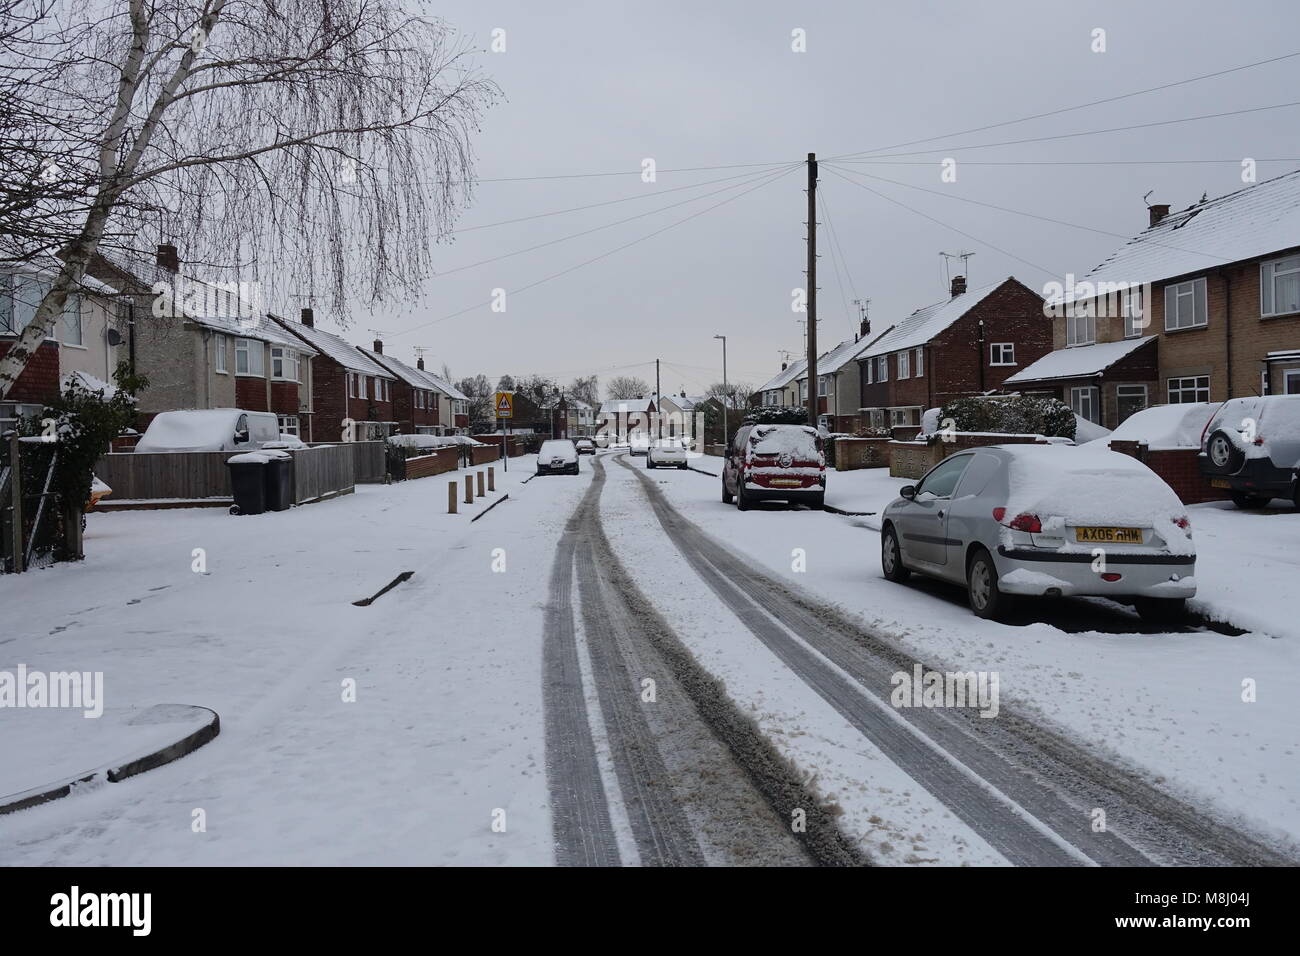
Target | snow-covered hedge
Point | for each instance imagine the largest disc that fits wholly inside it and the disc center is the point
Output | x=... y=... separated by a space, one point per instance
x=430 y=441
x=1015 y=415
x=776 y=415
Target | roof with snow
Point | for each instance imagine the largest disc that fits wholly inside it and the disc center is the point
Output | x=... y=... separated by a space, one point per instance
x=47 y=267
x=841 y=355
x=924 y=324
x=785 y=376
x=1080 y=361
x=626 y=406
x=1245 y=224
x=411 y=375
x=336 y=348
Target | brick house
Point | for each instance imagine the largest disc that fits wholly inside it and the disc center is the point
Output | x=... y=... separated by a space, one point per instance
x=966 y=345
x=782 y=389
x=839 y=384
x=1211 y=292
x=620 y=417
x=204 y=344
x=346 y=385
x=415 y=402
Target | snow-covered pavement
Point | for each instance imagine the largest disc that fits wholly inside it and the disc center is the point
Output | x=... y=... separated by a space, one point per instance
x=1169 y=705
x=445 y=730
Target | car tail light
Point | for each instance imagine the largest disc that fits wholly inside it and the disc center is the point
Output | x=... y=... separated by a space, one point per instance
x=1111 y=576
x=1182 y=522
x=1028 y=523
x=999 y=514
x=1259 y=439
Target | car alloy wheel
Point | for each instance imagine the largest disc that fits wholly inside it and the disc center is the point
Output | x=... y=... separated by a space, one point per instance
x=891 y=556
x=982 y=587
x=1224 y=456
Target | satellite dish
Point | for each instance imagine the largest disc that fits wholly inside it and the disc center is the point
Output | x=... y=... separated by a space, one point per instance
x=114 y=337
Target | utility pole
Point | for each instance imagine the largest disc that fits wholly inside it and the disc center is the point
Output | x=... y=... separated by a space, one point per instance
x=659 y=399
x=812 y=290
x=725 y=391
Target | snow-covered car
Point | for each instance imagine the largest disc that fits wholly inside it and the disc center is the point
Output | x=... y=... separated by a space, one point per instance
x=209 y=429
x=558 y=456
x=666 y=453
x=585 y=446
x=766 y=462
x=638 y=444
x=1252 y=449
x=1044 y=520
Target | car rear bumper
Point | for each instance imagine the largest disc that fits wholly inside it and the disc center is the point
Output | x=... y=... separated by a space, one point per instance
x=1256 y=476
x=763 y=493
x=1034 y=572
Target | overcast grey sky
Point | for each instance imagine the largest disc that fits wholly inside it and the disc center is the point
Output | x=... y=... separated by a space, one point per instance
x=598 y=87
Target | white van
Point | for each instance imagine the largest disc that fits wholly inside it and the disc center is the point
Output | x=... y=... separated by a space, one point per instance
x=209 y=429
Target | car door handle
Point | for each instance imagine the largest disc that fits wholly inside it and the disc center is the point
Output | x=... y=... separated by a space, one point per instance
x=940 y=513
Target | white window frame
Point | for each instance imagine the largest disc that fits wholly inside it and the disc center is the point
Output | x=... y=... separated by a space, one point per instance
x=920 y=362
x=289 y=425
x=871 y=371
x=821 y=386
x=1268 y=276
x=219 y=364
x=252 y=369
x=1091 y=393
x=1176 y=293
x=1135 y=321
x=904 y=364
x=72 y=308
x=1177 y=386
x=998 y=353
x=1125 y=391
x=1074 y=335
x=287 y=358
x=882 y=369
x=803 y=390
x=1291 y=374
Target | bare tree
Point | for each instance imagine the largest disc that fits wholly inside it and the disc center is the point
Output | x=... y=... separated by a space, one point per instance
x=322 y=142
x=586 y=389
x=625 y=386
x=733 y=395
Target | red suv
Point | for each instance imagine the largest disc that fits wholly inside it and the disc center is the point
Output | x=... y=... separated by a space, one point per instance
x=775 y=461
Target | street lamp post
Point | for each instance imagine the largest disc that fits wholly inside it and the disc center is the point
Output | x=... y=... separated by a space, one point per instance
x=724 y=387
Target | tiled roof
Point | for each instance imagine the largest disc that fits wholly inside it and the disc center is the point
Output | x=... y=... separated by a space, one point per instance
x=924 y=324
x=785 y=376
x=411 y=375
x=331 y=345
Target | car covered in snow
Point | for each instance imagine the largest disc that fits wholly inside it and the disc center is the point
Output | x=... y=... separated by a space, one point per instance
x=1044 y=520
x=666 y=453
x=638 y=443
x=585 y=446
x=209 y=429
x=1252 y=449
x=781 y=462
x=558 y=456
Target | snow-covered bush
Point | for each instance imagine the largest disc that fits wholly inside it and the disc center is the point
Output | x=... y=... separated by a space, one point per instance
x=1012 y=415
x=776 y=415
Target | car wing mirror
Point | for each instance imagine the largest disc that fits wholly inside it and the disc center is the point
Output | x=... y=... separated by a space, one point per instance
x=908 y=492
x=241 y=436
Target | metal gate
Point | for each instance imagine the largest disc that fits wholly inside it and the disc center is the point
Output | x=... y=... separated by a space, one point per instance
x=32 y=527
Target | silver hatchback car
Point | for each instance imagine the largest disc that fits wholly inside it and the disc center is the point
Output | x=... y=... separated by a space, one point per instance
x=1045 y=520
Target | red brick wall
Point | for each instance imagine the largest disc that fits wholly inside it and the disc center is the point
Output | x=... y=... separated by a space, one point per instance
x=1178 y=467
x=250 y=393
x=284 y=398
x=435 y=463
x=39 y=382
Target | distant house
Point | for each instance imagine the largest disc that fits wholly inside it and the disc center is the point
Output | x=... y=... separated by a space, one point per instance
x=969 y=344
x=1203 y=305
x=621 y=417
x=782 y=389
x=415 y=396
x=839 y=385
x=204 y=344
x=351 y=395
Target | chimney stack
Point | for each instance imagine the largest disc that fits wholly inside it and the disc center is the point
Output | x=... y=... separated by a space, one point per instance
x=783 y=365
x=379 y=347
x=1158 y=212
x=419 y=363
x=864 y=328
x=169 y=258
x=308 y=318
x=958 y=286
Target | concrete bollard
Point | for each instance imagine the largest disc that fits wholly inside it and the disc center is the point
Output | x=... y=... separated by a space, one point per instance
x=469 y=490
x=451 y=497
x=481 y=492
x=492 y=478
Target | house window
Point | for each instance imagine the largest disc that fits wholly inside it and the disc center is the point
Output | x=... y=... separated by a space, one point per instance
x=1129 y=399
x=871 y=371
x=1134 y=318
x=803 y=390
x=284 y=364
x=882 y=369
x=900 y=416
x=72 y=320
x=219 y=353
x=821 y=386
x=1080 y=325
x=1185 y=305
x=1083 y=402
x=1002 y=353
x=21 y=300
x=289 y=425
x=1279 y=286
x=920 y=361
x=250 y=357
x=1192 y=388
x=7 y=305
x=903 y=370
x=877 y=418
x=1291 y=382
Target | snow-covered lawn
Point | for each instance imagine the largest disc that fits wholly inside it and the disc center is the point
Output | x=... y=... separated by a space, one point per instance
x=447 y=723
x=1170 y=704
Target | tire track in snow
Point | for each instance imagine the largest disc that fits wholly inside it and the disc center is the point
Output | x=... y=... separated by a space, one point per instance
x=1029 y=792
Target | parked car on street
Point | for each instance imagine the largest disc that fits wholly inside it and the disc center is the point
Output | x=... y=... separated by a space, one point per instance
x=1045 y=520
x=666 y=453
x=209 y=429
x=1251 y=448
x=638 y=444
x=766 y=462
x=558 y=456
x=585 y=446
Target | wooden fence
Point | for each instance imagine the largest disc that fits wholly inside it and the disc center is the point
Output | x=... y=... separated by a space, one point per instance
x=369 y=464
x=323 y=470
x=318 y=471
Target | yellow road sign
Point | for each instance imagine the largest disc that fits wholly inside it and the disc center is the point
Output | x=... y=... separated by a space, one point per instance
x=505 y=404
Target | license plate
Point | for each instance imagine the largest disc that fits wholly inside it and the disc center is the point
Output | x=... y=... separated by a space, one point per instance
x=1219 y=483
x=1108 y=535
x=784 y=482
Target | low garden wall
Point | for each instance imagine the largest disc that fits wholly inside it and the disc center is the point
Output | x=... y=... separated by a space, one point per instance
x=1178 y=467
x=912 y=459
x=854 y=453
x=434 y=463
